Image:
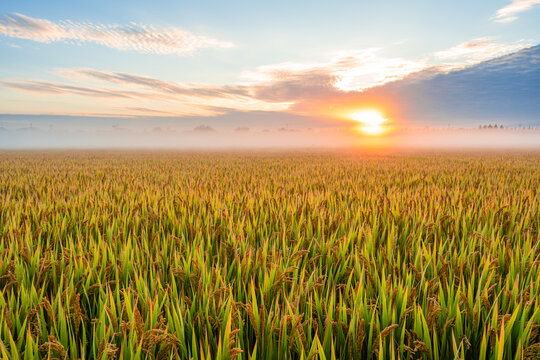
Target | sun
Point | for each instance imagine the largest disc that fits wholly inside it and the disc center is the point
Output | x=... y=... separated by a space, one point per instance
x=372 y=121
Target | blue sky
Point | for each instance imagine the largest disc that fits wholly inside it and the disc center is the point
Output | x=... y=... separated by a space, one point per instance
x=215 y=58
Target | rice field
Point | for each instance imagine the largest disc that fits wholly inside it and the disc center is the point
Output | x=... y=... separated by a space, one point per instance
x=307 y=255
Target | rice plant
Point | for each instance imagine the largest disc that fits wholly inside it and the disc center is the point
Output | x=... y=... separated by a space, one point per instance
x=269 y=256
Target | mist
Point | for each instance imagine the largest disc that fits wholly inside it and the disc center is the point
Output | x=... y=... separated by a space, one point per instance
x=206 y=137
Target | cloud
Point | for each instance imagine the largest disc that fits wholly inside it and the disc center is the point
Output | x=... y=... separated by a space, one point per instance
x=134 y=37
x=508 y=13
x=294 y=86
x=353 y=70
x=40 y=86
x=361 y=70
x=501 y=89
x=162 y=86
x=413 y=90
x=131 y=94
x=214 y=98
x=277 y=87
x=479 y=49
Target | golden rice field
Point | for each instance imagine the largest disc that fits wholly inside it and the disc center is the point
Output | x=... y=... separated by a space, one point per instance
x=127 y=255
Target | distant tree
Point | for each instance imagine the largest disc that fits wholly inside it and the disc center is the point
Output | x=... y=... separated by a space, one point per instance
x=204 y=128
x=496 y=127
x=502 y=127
x=490 y=126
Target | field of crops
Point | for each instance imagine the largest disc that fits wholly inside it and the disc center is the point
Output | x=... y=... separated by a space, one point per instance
x=269 y=256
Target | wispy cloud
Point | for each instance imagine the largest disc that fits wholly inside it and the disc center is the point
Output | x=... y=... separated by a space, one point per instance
x=162 y=86
x=57 y=88
x=124 y=94
x=479 y=49
x=134 y=37
x=509 y=12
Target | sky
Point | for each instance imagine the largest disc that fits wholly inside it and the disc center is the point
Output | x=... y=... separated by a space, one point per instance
x=94 y=65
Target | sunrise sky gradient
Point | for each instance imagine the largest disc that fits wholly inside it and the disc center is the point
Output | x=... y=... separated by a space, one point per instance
x=243 y=64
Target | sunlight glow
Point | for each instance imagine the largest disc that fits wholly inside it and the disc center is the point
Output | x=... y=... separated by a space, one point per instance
x=372 y=121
